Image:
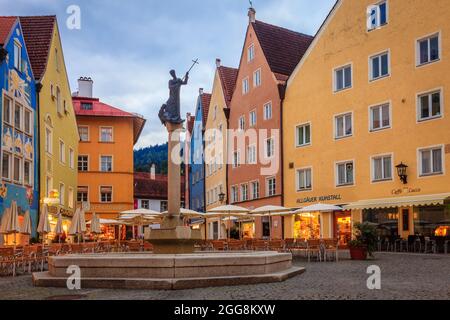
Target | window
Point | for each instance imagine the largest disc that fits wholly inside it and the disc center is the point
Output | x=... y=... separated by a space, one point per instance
x=236 y=159
x=164 y=206
x=6 y=166
x=304 y=179
x=343 y=78
x=345 y=174
x=242 y=123
x=18 y=116
x=82 y=194
x=245 y=86
x=343 y=126
x=48 y=140
x=215 y=113
x=428 y=50
x=382 y=168
x=251 y=154
x=17 y=170
x=17 y=56
x=106 y=163
x=376 y=15
x=86 y=106
x=84 y=133
x=28 y=122
x=379 y=66
x=255 y=190
x=234 y=194
x=61 y=193
x=145 y=204
x=58 y=101
x=27 y=173
x=380 y=117
x=251 y=53
x=244 y=192
x=70 y=204
x=268 y=111
x=429 y=106
x=270 y=147
x=252 y=118
x=271 y=187
x=431 y=161
x=7 y=104
x=71 y=158
x=257 y=78
x=49 y=185
x=303 y=135
x=62 y=151
x=83 y=163
x=105 y=194
x=106 y=134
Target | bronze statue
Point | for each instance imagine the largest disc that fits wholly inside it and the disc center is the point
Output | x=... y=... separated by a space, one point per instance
x=170 y=111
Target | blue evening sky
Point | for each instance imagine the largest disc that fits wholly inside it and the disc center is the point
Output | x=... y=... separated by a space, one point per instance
x=128 y=47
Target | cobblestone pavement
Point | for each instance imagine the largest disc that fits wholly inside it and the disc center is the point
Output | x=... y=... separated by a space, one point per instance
x=403 y=276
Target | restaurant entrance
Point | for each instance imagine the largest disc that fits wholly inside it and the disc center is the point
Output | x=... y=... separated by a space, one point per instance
x=343 y=227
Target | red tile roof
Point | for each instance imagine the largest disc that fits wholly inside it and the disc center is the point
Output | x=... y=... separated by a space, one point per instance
x=282 y=48
x=38 y=33
x=100 y=109
x=6 y=24
x=190 y=123
x=146 y=188
x=206 y=100
x=228 y=78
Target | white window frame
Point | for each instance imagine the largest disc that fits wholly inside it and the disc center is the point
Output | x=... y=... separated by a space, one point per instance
x=100 y=163
x=251 y=156
x=236 y=160
x=62 y=193
x=71 y=158
x=378 y=56
x=378 y=25
x=244 y=192
x=335 y=133
x=252 y=118
x=18 y=67
x=372 y=167
x=234 y=197
x=71 y=199
x=62 y=152
x=380 y=105
x=100 y=194
x=342 y=67
x=21 y=159
x=419 y=160
x=419 y=107
x=297 y=179
x=100 y=134
x=297 y=137
x=28 y=183
x=88 y=133
x=257 y=78
x=252 y=195
x=241 y=123
x=251 y=53
x=272 y=148
x=10 y=165
x=78 y=162
x=336 y=173
x=268 y=106
x=245 y=86
x=428 y=37
x=268 y=186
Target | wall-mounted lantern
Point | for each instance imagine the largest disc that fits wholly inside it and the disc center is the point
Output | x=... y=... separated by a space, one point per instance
x=401 y=171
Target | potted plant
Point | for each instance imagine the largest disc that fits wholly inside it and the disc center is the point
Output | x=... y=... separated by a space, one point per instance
x=365 y=241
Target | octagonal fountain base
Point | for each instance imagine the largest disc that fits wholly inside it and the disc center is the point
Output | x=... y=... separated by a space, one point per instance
x=169 y=271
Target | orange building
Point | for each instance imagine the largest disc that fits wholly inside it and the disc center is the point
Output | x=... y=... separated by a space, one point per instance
x=105 y=160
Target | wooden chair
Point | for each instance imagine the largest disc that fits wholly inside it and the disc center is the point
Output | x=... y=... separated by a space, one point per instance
x=276 y=245
x=219 y=245
x=7 y=261
x=259 y=245
x=314 y=248
x=133 y=246
x=235 y=245
x=331 y=248
x=76 y=248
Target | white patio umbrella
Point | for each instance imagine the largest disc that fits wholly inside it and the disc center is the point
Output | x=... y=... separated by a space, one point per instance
x=95 y=224
x=270 y=211
x=139 y=217
x=59 y=227
x=319 y=207
x=12 y=221
x=227 y=210
x=26 y=225
x=78 y=225
x=3 y=221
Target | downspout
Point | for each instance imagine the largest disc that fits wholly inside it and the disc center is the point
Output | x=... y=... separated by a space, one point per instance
x=227 y=116
x=282 y=90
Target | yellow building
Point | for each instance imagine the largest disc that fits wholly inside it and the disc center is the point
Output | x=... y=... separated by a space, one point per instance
x=57 y=123
x=368 y=96
x=216 y=143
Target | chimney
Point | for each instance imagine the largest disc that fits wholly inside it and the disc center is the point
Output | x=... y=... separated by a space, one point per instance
x=153 y=172
x=200 y=91
x=85 y=87
x=218 y=62
x=252 y=15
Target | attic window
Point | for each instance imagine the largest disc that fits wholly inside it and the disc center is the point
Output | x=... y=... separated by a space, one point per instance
x=86 y=106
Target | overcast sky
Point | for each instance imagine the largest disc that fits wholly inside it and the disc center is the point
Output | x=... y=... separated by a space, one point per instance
x=128 y=47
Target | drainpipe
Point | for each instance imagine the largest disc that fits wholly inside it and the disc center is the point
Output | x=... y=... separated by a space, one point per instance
x=227 y=116
x=282 y=90
x=38 y=143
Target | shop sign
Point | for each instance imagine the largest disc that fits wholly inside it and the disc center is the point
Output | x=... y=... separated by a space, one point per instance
x=332 y=197
x=405 y=190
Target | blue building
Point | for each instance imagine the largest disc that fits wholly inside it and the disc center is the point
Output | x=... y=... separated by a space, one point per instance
x=197 y=164
x=18 y=125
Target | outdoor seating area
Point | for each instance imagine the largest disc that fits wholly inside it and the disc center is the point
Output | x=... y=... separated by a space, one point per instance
x=414 y=244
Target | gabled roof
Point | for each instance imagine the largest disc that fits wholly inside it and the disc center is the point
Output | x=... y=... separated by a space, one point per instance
x=6 y=24
x=100 y=109
x=228 y=77
x=205 y=100
x=190 y=123
x=282 y=48
x=38 y=33
x=147 y=188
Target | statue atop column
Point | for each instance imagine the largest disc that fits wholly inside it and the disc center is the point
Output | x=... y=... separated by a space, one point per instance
x=170 y=111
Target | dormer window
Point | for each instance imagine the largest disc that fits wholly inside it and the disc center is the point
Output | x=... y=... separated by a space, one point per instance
x=86 y=106
x=377 y=15
x=17 y=56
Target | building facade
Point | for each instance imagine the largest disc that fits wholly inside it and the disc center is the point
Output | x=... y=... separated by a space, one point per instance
x=105 y=160
x=197 y=164
x=269 y=55
x=58 y=132
x=19 y=126
x=187 y=155
x=367 y=99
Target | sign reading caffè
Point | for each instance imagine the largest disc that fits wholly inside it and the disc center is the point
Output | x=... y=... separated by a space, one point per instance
x=331 y=197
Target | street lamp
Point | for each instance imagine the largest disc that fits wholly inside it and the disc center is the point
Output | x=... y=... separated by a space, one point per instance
x=401 y=171
x=221 y=197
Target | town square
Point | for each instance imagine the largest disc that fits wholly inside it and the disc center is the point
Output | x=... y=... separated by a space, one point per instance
x=235 y=150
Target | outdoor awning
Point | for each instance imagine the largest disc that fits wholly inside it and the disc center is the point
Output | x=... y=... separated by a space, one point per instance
x=423 y=200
